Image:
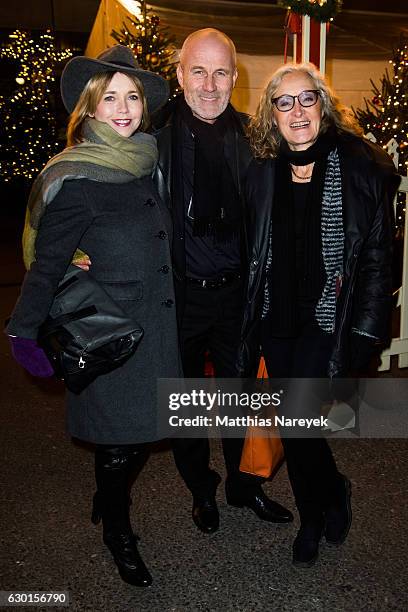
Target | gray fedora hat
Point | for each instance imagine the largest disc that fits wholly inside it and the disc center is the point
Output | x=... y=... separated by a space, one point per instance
x=80 y=69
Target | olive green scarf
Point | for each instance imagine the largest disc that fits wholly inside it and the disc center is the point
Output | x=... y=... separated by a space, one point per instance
x=103 y=156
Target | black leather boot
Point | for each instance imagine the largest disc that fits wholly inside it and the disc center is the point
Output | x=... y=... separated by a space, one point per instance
x=137 y=457
x=111 y=503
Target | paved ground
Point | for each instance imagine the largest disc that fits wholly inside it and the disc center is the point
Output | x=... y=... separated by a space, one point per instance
x=47 y=541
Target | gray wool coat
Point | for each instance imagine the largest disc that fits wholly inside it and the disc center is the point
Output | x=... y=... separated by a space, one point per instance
x=126 y=231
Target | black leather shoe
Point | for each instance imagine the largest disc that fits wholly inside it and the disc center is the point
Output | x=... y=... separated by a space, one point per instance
x=127 y=558
x=266 y=509
x=338 y=515
x=306 y=544
x=205 y=514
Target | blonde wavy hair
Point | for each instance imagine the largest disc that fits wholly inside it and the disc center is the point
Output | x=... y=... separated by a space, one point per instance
x=263 y=133
x=89 y=100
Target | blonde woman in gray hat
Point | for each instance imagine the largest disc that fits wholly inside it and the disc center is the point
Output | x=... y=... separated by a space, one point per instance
x=97 y=196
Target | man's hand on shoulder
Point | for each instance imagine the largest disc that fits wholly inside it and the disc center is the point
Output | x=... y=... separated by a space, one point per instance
x=82 y=262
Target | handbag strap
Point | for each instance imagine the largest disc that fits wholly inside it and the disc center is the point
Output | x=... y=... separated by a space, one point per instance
x=65 y=284
x=52 y=324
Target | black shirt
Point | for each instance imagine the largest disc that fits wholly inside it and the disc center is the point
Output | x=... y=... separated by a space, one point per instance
x=205 y=257
x=305 y=298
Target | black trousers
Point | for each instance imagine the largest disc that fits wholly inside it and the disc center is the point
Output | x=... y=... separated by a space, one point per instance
x=311 y=467
x=211 y=322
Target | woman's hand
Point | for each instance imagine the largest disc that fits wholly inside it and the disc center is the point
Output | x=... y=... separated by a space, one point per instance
x=29 y=355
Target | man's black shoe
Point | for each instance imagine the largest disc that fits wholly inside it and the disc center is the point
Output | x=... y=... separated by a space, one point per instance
x=266 y=509
x=306 y=544
x=338 y=515
x=127 y=558
x=205 y=514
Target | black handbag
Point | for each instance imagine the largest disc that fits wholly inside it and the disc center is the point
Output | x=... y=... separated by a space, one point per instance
x=86 y=333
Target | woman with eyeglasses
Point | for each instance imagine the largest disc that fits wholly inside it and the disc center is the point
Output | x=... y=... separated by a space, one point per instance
x=319 y=291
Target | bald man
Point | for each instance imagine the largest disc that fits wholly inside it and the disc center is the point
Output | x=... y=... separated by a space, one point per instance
x=203 y=158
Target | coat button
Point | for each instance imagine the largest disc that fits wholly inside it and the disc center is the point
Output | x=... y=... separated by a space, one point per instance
x=162 y=235
x=164 y=269
x=150 y=202
x=168 y=303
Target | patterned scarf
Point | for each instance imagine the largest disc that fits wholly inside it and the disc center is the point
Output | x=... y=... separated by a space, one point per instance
x=104 y=156
x=332 y=244
x=332 y=233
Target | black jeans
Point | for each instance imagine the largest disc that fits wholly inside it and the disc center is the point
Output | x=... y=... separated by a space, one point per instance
x=311 y=467
x=211 y=322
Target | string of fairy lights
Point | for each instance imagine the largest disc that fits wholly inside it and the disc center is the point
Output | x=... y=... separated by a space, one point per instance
x=28 y=124
x=28 y=127
x=386 y=116
x=28 y=130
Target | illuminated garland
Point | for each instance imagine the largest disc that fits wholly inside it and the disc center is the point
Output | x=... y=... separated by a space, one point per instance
x=28 y=130
x=320 y=10
x=386 y=114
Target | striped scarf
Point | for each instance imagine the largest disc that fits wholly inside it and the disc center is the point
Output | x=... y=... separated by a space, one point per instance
x=332 y=242
x=332 y=236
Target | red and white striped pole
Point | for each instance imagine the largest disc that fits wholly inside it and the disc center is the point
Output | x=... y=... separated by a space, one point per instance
x=309 y=40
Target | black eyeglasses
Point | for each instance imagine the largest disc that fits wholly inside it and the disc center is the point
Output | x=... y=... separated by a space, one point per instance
x=306 y=98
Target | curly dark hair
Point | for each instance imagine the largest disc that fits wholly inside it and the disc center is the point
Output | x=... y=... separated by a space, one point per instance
x=263 y=133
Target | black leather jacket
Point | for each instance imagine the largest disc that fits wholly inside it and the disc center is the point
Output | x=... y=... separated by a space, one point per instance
x=238 y=156
x=369 y=183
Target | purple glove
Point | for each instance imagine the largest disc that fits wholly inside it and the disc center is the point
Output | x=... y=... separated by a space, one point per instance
x=28 y=354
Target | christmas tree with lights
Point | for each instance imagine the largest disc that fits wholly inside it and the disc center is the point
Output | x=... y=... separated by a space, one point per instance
x=152 y=45
x=386 y=115
x=28 y=129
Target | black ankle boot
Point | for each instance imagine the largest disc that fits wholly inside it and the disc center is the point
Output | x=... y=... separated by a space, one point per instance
x=132 y=569
x=111 y=504
x=306 y=545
